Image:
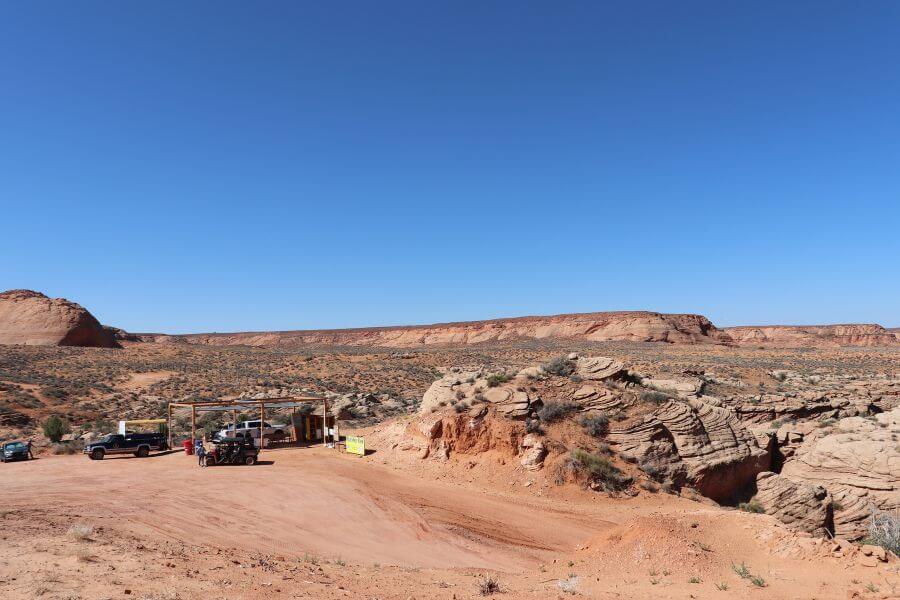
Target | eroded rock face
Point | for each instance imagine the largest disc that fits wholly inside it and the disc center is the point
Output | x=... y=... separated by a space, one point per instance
x=858 y=462
x=799 y=505
x=632 y=326
x=697 y=444
x=813 y=336
x=804 y=405
x=464 y=385
x=33 y=319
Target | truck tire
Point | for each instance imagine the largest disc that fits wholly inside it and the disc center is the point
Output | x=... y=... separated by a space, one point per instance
x=97 y=454
x=277 y=435
x=143 y=452
x=210 y=461
x=249 y=460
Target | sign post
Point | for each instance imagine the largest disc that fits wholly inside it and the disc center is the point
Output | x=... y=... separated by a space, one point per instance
x=356 y=445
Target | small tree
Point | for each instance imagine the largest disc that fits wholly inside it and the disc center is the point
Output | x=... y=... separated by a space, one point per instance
x=55 y=428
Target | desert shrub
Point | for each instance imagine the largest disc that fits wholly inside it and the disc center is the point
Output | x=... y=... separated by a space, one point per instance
x=779 y=375
x=600 y=469
x=66 y=448
x=533 y=426
x=560 y=366
x=488 y=586
x=575 y=378
x=555 y=411
x=655 y=396
x=595 y=425
x=884 y=530
x=751 y=507
x=80 y=532
x=498 y=378
x=460 y=407
x=460 y=395
x=654 y=470
x=649 y=486
x=54 y=428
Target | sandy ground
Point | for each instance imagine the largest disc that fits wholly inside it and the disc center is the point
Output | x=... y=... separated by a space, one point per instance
x=311 y=523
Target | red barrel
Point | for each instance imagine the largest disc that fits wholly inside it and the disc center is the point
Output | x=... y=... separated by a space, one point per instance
x=188 y=446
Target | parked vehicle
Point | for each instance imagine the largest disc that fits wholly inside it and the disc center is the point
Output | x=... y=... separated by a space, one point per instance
x=251 y=429
x=14 y=451
x=139 y=444
x=232 y=451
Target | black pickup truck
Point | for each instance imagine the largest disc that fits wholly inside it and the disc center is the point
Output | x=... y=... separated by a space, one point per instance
x=139 y=444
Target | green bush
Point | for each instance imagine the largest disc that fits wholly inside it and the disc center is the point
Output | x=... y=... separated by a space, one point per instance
x=595 y=425
x=561 y=366
x=655 y=397
x=498 y=378
x=600 y=469
x=884 y=530
x=54 y=428
x=555 y=411
x=751 y=507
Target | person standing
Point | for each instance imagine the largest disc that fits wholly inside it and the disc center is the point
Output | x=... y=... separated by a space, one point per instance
x=200 y=451
x=30 y=455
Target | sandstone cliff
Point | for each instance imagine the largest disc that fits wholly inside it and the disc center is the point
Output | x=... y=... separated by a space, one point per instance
x=602 y=326
x=33 y=319
x=812 y=336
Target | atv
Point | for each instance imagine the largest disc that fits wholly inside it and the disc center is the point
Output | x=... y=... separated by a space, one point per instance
x=232 y=451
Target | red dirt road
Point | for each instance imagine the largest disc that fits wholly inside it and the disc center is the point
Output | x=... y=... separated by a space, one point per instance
x=303 y=500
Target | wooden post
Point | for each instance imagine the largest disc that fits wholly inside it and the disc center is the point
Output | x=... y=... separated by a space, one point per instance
x=193 y=425
x=234 y=422
x=262 y=417
x=325 y=422
x=169 y=424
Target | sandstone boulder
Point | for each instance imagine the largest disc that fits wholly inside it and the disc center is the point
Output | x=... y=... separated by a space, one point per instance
x=33 y=319
x=533 y=452
x=801 y=506
x=598 y=368
x=858 y=462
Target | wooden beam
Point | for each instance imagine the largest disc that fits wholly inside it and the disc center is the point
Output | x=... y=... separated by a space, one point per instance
x=262 y=417
x=169 y=424
x=324 y=422
x=193 y=426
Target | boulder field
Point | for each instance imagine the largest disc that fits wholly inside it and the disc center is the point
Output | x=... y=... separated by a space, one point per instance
x=31 y=318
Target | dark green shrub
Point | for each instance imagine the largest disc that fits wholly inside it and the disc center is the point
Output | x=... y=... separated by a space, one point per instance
x=54 y=428
x=498 y=378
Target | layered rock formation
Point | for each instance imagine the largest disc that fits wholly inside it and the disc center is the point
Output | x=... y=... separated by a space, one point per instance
x=812 y=336
x=602 y=326
x=33 y=319
x=799 y=505
x=698 y=444
x=859 y=463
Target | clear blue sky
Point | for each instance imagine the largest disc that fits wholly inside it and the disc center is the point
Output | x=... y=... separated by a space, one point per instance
x=216 y=166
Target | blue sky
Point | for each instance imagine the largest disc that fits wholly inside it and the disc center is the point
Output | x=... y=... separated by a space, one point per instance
x=221 y=166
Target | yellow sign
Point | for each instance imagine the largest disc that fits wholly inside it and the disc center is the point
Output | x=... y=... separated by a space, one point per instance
x=356 y=445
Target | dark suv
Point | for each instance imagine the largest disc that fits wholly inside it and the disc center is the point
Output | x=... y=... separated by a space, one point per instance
x=13 y=451
x=139 y=444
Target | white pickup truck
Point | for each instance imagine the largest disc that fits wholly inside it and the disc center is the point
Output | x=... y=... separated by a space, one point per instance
x=251 y=428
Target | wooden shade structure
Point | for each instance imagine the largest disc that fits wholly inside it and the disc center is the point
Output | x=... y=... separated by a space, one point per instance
x=244 y=404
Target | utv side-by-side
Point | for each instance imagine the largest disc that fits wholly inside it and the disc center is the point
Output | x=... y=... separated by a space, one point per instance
x=232 y=451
